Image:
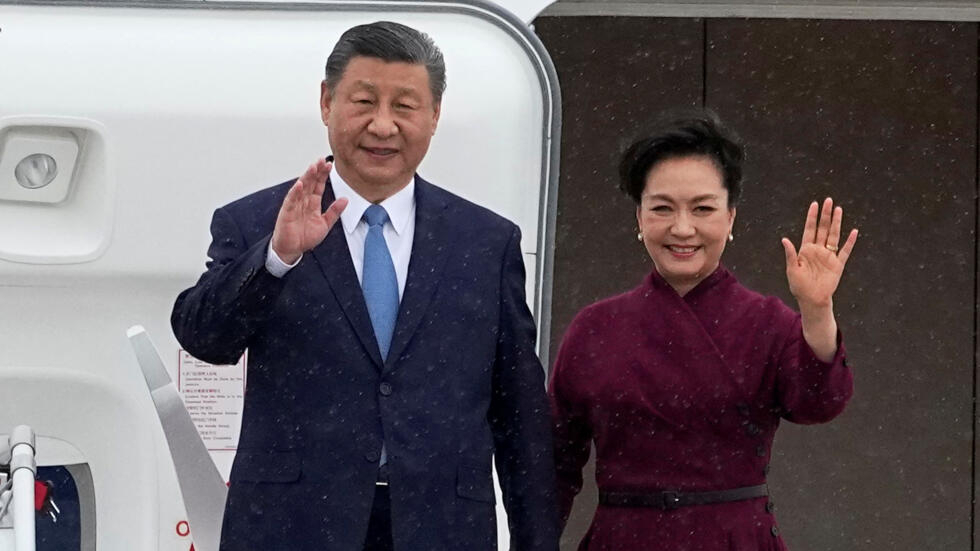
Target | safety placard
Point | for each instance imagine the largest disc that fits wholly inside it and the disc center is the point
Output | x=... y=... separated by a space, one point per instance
x=213 y=396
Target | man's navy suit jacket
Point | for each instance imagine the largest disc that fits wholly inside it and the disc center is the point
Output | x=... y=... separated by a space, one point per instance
x=460 y=384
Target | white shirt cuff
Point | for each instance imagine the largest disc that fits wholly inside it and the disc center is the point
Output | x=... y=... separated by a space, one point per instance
x=276 y=266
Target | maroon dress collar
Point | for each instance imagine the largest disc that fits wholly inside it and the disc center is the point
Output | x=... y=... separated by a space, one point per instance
x=655 y=281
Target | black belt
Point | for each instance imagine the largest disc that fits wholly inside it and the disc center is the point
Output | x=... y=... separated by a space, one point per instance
x=669 y=501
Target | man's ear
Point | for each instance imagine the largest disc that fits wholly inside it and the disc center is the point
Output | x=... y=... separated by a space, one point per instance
x=436 y=111
x=324 y=102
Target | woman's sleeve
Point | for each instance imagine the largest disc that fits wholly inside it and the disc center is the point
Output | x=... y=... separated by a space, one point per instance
x=808 y=389
x=569 y=415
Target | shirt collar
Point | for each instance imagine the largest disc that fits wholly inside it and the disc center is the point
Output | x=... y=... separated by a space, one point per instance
x=399 y=206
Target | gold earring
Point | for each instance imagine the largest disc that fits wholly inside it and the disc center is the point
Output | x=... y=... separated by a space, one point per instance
x=731 y=237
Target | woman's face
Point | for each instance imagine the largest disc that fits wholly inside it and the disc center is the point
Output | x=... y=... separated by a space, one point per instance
x=684 y=218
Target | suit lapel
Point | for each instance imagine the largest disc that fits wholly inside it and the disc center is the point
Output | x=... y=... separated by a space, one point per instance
x=333 y=256
x=430 y=249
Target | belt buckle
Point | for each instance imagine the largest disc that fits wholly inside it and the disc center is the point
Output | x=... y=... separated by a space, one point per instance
x=671 y=500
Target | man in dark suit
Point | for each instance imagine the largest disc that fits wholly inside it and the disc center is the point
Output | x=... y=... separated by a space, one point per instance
x=391 y=355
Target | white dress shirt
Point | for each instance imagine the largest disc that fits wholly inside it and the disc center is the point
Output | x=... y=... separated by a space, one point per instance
x=399 y=230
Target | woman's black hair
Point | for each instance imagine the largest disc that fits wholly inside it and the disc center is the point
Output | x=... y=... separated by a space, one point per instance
x=690 y=133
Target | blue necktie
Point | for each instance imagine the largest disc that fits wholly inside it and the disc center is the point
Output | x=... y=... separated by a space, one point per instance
x=379 y=284
x=378 y=281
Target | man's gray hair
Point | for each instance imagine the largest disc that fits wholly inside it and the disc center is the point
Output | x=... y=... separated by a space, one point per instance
x=389 y=42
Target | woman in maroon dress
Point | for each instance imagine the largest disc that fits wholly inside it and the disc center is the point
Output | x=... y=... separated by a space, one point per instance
x=681 y=382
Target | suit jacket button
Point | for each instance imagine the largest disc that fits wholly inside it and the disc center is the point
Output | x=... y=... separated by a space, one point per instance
x=372 y=457
x=385 y=389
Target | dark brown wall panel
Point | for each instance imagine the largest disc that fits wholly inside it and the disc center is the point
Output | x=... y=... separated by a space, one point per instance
x=881 y=116
x=616 y=75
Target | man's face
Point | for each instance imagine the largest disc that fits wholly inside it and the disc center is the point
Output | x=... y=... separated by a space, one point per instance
x=380 y=119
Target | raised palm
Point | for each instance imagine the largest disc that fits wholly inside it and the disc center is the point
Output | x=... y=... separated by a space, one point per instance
x=815 y=271
x=301 y=225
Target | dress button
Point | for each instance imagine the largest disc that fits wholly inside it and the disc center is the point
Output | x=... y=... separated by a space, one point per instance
x=760 y=451
x=385 y=388
x=770 y=507
x=752 y=429
x=774 y=531
x=372 y=457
